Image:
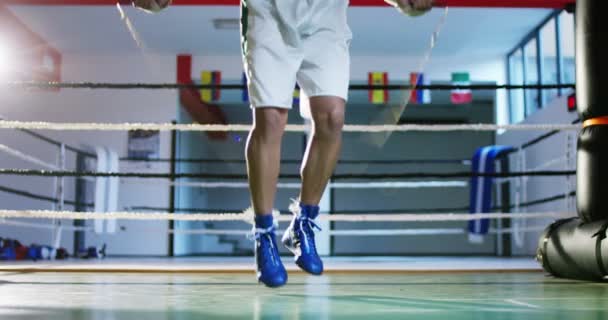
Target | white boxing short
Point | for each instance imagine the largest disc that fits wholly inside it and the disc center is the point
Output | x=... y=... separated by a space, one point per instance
x=295 y=41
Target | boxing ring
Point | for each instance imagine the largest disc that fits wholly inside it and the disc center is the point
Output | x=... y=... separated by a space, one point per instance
x=571 y=249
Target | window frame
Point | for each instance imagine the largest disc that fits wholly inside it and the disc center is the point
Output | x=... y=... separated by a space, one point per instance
x=535 y=34
x=509 y=77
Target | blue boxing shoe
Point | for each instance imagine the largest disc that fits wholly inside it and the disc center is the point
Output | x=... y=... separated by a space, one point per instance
x=299 y=238
x=270 y=269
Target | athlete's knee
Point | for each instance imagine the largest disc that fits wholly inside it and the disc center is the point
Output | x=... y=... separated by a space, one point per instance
x=269 y=123
x=329 y=121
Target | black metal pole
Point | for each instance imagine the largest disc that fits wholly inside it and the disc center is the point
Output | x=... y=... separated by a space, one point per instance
x=80 y=206
x=171 y=252
x=332 y=224
x=505 y=203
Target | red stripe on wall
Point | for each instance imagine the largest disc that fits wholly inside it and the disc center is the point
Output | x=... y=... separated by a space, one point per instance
x=184 y=68
x=362 y=3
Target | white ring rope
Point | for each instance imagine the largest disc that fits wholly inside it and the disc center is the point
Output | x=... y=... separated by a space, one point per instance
x=18 y=154
x=333 y=185
x=212 y=232
x=365 y=232
x=398 y=232
x=375 y=232
x=155 y=216
x=34 y=125
x=231 y=232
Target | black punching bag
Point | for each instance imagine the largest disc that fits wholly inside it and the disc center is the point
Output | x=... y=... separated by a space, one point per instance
x=574 y=249
x=592 y=101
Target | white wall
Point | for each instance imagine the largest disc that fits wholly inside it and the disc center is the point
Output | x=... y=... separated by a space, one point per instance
x=93 y=106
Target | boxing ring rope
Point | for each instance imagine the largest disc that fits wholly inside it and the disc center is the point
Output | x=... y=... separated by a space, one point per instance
x=463 y=162
x=237 y=232
x=379 y=217
x=406 y=175
x=331 y=185
x=355 y=232
x=241 y=217
x=66 y=126
x=239 y=185
x=554 y=4
x=245 y=217
x=402 y=184
x=355 y=87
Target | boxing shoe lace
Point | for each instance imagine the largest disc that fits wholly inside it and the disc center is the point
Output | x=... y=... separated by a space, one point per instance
x=306 y=227
x=269 y=267
x=267 y=236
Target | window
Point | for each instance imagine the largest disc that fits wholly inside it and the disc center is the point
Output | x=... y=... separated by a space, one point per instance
x=531 y=76
x=548 y=40
x=545 y=56
x=516 y=76
x=567 y=45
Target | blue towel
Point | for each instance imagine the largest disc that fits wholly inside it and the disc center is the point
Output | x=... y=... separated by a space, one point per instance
x=481 y=187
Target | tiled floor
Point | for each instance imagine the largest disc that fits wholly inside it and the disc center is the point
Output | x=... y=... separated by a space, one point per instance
x=222 y=288
x=245 y=264
x=108 y=296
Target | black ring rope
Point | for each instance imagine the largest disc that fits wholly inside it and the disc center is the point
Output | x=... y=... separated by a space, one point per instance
x=345 y=162
x=464 y=174
x=156 y=86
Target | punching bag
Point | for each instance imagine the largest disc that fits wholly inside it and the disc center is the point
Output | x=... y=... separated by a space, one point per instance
x=575 y=249
x=592 y=102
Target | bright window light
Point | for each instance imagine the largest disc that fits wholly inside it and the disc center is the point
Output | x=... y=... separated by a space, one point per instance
x=7 y=66
x=3 y=59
